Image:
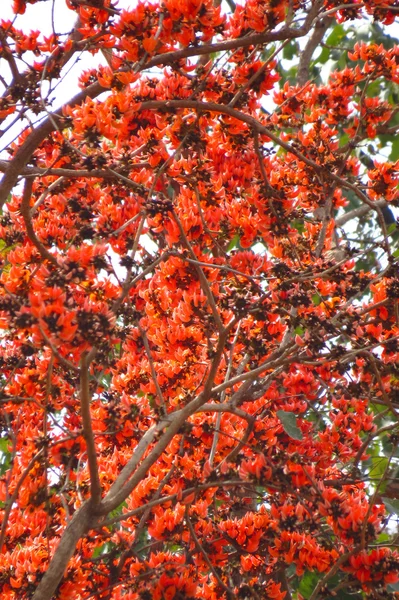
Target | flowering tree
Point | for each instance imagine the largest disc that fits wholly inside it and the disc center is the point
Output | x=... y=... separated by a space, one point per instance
x=198 y=303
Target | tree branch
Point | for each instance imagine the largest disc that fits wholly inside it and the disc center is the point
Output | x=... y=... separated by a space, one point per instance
x=34 y=139
x=30 y=232
x=13 y=498
x=80 y=523
x=313 y=42
x=85 y=398
x=24 y=152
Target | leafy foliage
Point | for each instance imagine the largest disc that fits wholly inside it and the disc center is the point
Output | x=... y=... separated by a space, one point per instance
x=199 y=303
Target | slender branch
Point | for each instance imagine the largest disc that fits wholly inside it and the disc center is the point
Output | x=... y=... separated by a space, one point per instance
x=203 y=280
x=169 y=498
x=202 y=551
x=63 y=361
x=152 y=368
x=13 y=498
x=268 y=365
x=53 y=186
x=243 y=42
x=85 y=399
x=216 y=266
x=229 y=408
x=222 y=398
x=334 y=569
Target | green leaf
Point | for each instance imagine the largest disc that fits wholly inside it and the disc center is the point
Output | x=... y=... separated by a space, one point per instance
x=288 y=421
x=5 y=455
x=373 y=89
x=392 y=505
x=383 y=538
x=99 y=550
x=379 y=464
x=233 y=243
x=394 y=155
x=118 y=510
x=323 y=56
x=290 y=50
x=316 y=299
x=343 y=139
x=336 y=35
x=308 y=583
x=141 y=542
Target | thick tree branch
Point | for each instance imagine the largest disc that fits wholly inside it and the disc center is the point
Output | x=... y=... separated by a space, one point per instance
x=358 y=213
x=313 y=42
x=80 y=524
x=72 y=173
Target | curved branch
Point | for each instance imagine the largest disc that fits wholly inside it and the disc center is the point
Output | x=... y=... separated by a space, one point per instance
x=85 y=397
x=30 y=232
x=34 y=139
x=258 y=127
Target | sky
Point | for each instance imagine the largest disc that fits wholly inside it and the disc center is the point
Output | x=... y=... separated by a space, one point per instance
x=38 y=16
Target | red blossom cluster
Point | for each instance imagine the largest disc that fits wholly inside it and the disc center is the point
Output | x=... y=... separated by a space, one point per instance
x=195 y=385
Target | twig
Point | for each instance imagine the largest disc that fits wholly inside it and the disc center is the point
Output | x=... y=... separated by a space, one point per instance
x=203 y=280
x=169 y=498
x=10 y=501
x=202 y=551
x=223 y=397
x=152 y=367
